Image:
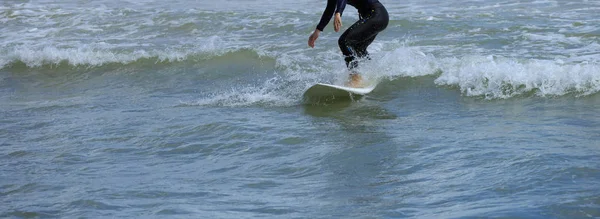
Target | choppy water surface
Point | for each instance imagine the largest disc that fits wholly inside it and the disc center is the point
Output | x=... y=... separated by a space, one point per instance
x=194 y=109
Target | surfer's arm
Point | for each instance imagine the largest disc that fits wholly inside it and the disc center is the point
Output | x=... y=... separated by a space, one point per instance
x=327 y=14
x=339 y=9
x=340 y=6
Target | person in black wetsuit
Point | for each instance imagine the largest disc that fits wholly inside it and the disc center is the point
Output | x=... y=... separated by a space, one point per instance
x=355 y=40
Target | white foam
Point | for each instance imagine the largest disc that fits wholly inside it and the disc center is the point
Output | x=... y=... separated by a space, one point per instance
x=77 y=56
x=490 y=76
x=553 y=37
x=272 y=92
x=97 y=54
x=3 y=62
x=402 y=62
x=298 y=73
x=496 y=77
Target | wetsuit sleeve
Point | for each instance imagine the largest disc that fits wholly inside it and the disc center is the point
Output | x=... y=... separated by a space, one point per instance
x=327 y=14
x=341 y=5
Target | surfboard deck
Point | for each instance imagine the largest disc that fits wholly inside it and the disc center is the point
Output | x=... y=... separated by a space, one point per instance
x=328 y=92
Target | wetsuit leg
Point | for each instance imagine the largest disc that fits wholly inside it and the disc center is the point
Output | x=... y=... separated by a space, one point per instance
x=361 y=49
x=357 y=52
x=355 y=40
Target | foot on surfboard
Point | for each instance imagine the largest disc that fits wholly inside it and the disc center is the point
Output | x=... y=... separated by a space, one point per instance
x=355 y=80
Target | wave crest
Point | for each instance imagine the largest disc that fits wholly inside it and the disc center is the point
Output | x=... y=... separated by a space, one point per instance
x=52 y=57
x=494 y=77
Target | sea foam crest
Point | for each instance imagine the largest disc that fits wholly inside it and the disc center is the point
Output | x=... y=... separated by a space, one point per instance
x=497 y=77
x=490 y=76
x=404 y=61
x=89 y=55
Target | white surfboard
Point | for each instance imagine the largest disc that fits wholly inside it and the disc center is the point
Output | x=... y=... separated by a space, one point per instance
x=327 y=92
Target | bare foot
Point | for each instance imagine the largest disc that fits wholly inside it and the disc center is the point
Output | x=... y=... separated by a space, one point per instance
x=355 y=80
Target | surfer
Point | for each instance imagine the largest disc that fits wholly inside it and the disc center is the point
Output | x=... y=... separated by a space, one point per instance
x=373 y=18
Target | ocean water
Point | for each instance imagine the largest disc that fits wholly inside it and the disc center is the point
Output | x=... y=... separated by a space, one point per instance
x=194 y=109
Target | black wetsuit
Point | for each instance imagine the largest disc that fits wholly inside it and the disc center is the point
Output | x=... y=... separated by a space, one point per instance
x=355 y=40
